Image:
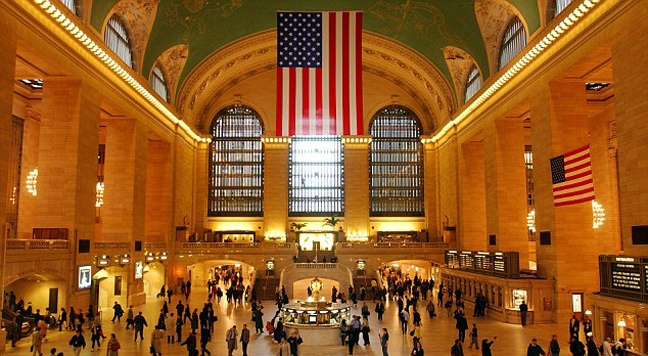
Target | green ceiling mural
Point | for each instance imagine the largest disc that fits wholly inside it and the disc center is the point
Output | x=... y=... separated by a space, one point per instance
x=424 y=25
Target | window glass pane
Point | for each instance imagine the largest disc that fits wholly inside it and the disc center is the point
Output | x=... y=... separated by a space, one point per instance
x=316 y=176
x=116 y=37
x=158 y=83
x=513 y=42
x=396 y=164
x=236 y=164
x=72 y=5
x=473 y=84
x=561 y=5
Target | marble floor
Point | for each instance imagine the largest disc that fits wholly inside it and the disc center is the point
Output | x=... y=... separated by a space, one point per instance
x=438 y=334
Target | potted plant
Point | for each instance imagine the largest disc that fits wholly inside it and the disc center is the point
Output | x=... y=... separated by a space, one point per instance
x=332 y=221
x=297 y=226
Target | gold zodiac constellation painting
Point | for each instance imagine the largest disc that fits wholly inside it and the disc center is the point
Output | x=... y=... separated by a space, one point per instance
x=401 y=16
x=191 y=14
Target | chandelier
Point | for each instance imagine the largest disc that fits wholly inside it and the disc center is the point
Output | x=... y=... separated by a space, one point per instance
x=32 y=181
x=531 y=221
x=100 y=194
x=598 y=214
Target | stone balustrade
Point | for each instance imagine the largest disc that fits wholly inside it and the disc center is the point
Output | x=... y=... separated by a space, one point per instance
x=252 y=248
x=36 y=245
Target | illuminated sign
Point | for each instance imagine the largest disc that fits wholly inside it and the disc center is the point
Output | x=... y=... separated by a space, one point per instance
x=139 y=270
x=85 y=277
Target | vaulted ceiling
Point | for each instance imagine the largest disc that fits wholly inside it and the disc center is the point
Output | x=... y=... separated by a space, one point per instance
x=201 y=27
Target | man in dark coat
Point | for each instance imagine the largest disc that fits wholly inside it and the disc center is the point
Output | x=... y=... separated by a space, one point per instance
x=294 y=340
x=535 y=349
x=191 y=344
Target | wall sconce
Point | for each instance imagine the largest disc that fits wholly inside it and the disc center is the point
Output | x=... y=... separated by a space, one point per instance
x=100 y=194
x=32 y=181
x=531 y=221
x=598 y=214
x=588 y=312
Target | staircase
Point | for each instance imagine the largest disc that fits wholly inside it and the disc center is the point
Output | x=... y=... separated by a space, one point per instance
x=366 y=282
x=265 y=288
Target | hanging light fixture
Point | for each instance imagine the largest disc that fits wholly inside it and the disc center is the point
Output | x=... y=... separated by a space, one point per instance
x=531 y=221
x=32 y=181
x=598 y=214
x=622 y=323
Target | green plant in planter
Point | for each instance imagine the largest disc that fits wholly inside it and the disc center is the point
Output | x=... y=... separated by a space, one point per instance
x=298 y=226
x=332 y=221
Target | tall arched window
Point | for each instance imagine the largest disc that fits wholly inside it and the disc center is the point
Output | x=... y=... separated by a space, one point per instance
x=74 y=6
x=236 y=163
x=396 y=163
x=560 y=5
x=513 y=41
x=473 y=83
x=117 y=38
x=158 y=82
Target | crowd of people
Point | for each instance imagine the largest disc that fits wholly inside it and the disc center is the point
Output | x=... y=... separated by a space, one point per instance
x=193 y=328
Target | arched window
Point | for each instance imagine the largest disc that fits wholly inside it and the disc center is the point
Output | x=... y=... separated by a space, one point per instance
x=473 y=83
x=396 y=163
x=513 y=41
x=560 y=5
x=158 y=82
x=236 y=163
x=116 y=37
x=74 y=6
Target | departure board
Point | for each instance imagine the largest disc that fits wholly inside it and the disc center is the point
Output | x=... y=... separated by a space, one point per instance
x=504 y=264
x=624 y=277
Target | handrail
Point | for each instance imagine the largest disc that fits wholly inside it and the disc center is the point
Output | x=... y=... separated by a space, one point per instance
x=111 y=245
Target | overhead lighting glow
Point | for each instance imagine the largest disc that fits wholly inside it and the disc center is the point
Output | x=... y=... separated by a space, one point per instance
x=32 y=182
x=598 y=214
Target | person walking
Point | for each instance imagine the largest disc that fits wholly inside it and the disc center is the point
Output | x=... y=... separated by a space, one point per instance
x=118 y=312
x=62 y=319
x=129 y=317
x=457 y=348
x=554 y=347
x=169 y=328
x=576 y=347
x=294 y=341
x=205 y=336
x=473 y=337
x=592 y=350
x=416 y=334
x=524 y=308
x=156 y=341
x=194 y=321
x=258 y=321
x=231 y=338
x=365 y=331
x=430 y=309
x=190 y=342
x=404 y=319
x=534 y=349
x=417 y=350
x=139 y=322
x=380 y=310
x=461 y=324
x=384 y=341
x=284 y=348
x=486 y=346
x=77 y=342
x=95 y=336
x=37 y=342
x=245 y=338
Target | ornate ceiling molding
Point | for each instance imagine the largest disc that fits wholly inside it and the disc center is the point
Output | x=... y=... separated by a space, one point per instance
x=139 y=16
x=257 y=54
x=172 y=62
x=493 y=16
x=459 y=62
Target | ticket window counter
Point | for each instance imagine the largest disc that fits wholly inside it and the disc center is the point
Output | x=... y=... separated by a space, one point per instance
x=616 y=319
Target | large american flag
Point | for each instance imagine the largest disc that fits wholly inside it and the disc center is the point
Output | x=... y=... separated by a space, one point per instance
x=572 y=177
x=319 y=73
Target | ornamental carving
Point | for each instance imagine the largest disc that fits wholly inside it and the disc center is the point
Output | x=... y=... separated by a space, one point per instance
x=173 y=61
x=493 y=16
x=138 y=16
x=459 y=62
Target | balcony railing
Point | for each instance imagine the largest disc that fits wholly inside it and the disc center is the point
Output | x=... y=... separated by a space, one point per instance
x=38 y=245
x=391 y=245
x=108 y=245
x=254 y=247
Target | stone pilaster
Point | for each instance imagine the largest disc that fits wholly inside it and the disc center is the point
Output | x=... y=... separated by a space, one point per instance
x=505 y=173
x=472 y=193
x=356 y=185
x=275 y=195
x=430 y=171
x=159 y=174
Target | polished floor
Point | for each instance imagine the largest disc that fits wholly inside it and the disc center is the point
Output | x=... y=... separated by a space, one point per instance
x=438 y=334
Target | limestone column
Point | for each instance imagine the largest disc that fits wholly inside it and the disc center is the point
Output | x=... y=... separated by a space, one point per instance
x=430 y=171
x=505 y=173
x=275 y=186
x=67 y=169
x=158 y=224
x=447 y=159
x=29 y=162
x=356 y=184
x=472 y=193
x=125 y=192
x=631 y=111
x=202 y=186
x=559 y=124
x=7 y=67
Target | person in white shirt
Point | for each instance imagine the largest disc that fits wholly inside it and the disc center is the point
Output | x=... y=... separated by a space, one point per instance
x=607 y=347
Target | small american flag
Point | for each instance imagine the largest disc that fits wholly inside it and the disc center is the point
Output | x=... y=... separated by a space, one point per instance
x=572 y=177
x=319 y=73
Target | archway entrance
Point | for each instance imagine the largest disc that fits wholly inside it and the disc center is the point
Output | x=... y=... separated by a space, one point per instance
x=300 y=288
x=110 y=286
x=201 y=272
x=153 y=278
x=41 y=291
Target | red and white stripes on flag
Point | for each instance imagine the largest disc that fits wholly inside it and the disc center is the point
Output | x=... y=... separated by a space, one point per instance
x=319 y=83
x=572 y=177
